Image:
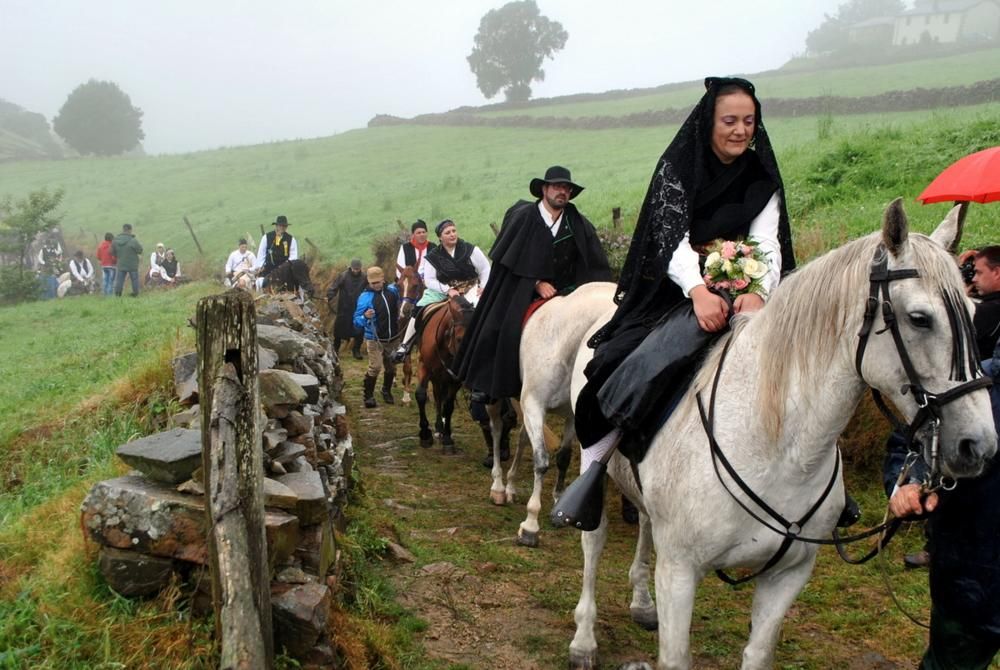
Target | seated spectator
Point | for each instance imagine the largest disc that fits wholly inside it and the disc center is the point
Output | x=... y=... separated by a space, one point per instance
x=155 y=275
x=171 y=268
x=240 y=267
x=80 y=279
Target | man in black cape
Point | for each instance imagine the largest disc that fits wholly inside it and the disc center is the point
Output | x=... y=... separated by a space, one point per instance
x=545 y=247
x=349 y=285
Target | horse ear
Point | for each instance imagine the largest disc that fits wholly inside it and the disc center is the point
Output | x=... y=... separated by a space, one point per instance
x=949 y=232
x=895 y=228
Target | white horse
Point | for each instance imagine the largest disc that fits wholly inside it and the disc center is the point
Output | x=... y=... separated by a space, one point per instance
x=548 y=349
x=786 y=391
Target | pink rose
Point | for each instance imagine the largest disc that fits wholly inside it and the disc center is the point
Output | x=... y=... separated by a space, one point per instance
x=740 y=284
x=708 y=279
x=746 y=250
x=728 y=250
x=723 y=285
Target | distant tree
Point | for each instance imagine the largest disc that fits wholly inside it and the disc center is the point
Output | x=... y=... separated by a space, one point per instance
x=509 y=49
x=98 y=118
x=20 y=224
x=832 y=34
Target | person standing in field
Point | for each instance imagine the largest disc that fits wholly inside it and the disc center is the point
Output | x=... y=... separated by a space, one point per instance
x=126 y=250
x=107 y=261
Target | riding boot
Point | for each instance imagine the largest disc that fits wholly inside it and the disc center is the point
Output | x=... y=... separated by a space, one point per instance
x=390 y=375
x=369 y=392
x=409 y=337
x=356 y=349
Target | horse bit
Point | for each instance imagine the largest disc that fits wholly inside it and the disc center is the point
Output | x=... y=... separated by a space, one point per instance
x=929 y=406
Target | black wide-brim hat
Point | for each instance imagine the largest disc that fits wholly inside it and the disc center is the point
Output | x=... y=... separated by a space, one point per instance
x=282 y=220
x=556 y=174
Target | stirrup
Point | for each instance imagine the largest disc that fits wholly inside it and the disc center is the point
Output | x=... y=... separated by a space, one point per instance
x=582 y=503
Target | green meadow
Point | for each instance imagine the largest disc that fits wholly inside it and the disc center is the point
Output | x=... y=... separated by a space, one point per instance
x=86 y=374
x=958 y=70
x=340 y=192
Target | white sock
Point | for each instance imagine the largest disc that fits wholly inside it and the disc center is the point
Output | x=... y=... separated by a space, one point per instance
x=596 y=451
x=411 y=330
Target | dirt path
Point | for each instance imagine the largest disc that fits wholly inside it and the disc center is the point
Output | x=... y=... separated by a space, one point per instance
x=490 y=604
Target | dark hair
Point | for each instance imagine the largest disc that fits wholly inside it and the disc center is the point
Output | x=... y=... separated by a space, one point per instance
x=127 y=228
x=243 y=240
x=78 y=252
x=419 y=223
x=990 y=254
x=441 y=226
x=108 y=237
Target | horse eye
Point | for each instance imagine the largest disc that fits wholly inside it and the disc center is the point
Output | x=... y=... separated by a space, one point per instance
x=920 y=320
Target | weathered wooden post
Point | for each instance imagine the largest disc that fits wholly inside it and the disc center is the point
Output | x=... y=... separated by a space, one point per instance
x=193 y=236
x=493 y=227
x=616 y=218
x=233 y=475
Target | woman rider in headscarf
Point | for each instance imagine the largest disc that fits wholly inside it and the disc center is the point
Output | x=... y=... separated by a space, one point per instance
x=717 y=180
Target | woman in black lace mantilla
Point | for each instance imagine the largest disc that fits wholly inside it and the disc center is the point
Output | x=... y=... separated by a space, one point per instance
x=718 y=179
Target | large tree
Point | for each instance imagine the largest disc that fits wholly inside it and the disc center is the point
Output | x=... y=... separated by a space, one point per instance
x=99 y=118
x=509 y=49
x=832 y=34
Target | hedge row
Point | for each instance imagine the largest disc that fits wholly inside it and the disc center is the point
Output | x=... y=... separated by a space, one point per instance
x=890 y=101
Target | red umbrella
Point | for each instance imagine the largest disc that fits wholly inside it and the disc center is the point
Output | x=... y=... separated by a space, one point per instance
x=974 y=178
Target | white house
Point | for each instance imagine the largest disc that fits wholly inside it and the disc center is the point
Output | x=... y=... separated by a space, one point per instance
x=947 y=22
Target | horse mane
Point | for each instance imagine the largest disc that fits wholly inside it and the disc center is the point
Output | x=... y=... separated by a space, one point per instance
x=817 y=311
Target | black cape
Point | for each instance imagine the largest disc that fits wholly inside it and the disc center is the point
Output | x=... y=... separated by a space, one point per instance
x=690 y=192
x=349 y=286
x=489 y=359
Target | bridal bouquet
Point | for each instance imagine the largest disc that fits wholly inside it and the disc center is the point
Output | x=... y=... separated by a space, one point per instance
x=736 y=267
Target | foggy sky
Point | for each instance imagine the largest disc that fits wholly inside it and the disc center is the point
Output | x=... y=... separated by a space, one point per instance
x=225 y=72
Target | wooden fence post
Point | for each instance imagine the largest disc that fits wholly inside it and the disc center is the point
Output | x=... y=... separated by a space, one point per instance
x=191 y=230
x=233 y=475
x=616 y=218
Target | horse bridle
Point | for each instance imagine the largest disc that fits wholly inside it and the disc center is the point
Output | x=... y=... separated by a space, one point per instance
x=929 y=405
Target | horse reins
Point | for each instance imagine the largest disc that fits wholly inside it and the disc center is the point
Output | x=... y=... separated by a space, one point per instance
x=929 y=405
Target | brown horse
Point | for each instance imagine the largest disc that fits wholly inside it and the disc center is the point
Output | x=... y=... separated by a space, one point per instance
x=411 y=289
x=442 y=334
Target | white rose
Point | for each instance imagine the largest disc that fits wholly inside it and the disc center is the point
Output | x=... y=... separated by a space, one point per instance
x=713 y=259
x=727 y=267
x=753 y=268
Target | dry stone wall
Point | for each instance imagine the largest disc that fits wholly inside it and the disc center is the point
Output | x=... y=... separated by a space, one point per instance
x=151 y=524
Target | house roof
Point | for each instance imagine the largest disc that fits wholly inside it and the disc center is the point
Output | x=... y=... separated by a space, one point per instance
x=877 y=21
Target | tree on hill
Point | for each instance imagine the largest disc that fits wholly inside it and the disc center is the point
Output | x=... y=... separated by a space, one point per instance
x=20 y=224
x=832 y=34
x=509 y=49
x=98 y=118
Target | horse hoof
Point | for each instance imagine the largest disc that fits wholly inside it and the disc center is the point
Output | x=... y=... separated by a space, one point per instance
x=511 y=498
x=526 y=539
x=645 y=617
x=499 y=498
x=635 y=665
x=583 y=661
x=426 y=442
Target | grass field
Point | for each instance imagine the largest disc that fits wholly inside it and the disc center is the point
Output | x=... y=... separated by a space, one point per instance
x=955 y=70
x=340 y=192
x=56 y=612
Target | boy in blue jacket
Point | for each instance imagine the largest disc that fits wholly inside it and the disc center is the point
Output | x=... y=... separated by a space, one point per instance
x=377 y=313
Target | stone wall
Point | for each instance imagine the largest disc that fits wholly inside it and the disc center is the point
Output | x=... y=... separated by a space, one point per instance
x=151 y=525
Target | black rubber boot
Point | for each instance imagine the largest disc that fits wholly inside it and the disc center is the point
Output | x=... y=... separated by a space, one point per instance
x=390 y=375
x=488 y=436
x=369 y=392
x=356 y=349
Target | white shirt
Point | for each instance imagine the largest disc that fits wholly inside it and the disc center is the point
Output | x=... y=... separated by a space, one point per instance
x=240 y=260
x=83 y=271
x=479 y=261
x=421 y=261
x=684 y=271
x=293 y=252
x=154 y=264
x=553 y=224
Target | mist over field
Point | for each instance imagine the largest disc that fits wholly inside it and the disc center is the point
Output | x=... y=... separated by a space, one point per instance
x=234 y=73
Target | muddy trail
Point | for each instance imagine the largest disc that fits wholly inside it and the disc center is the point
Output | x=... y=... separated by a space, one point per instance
x=486 y=603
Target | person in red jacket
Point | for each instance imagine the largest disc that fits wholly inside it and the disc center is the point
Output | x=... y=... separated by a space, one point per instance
x=108 y=262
